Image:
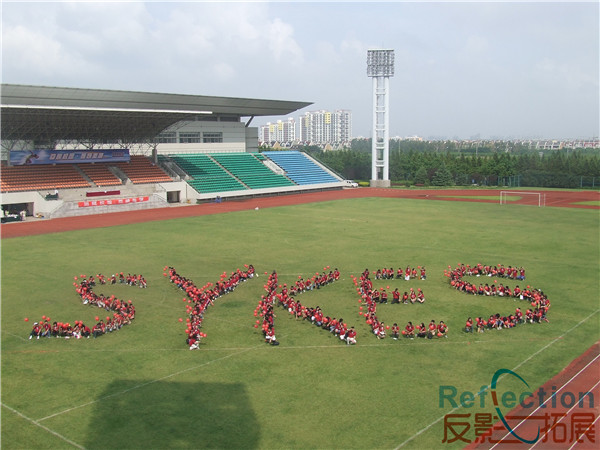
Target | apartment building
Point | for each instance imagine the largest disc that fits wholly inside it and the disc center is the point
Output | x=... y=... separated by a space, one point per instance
x=314 y=128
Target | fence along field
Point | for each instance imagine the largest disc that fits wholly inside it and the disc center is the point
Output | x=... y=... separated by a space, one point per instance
x=236 y=381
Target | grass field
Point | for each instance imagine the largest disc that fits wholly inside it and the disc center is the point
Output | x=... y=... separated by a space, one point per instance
x=142 y=388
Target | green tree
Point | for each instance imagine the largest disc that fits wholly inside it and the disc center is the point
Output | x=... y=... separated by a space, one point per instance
x=421 y=176
x=443 y=177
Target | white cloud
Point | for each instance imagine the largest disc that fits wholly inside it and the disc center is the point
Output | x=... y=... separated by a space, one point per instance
x=282 y=45
x=452 y=60
x=35 y=53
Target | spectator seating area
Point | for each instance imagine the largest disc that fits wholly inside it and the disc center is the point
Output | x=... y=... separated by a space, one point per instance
x=40 y=177
x=100 y=174
x=251 y=171
x=300 y=168
x=207 y=175
x=210 y=173
x=141 y=169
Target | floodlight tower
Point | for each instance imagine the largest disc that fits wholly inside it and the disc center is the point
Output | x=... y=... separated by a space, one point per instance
x=380 y=67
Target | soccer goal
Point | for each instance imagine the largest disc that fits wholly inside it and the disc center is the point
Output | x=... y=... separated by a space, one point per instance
x=531 y=198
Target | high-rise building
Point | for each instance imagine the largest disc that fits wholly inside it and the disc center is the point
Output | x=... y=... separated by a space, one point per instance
x=326 y=127
x=283 y=132
x=315 y=128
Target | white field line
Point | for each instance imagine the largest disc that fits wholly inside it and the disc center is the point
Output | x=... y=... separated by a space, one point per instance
x=547 y=400
x=36 y=423
x=423 y=430
x=566 y=414
x=585 y=431
x=144 y=384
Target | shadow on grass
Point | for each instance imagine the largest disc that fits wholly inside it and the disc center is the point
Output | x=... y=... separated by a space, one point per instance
x=174 y=415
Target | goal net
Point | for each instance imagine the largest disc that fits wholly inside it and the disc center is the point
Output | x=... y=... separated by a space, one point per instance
x=524 y=198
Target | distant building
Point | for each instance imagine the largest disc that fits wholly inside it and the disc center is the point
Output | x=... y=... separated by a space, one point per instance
x=323 y=128
x=282 y=132
x=326 y=127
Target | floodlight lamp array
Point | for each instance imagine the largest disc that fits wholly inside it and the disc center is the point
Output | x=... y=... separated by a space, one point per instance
x=380 y=63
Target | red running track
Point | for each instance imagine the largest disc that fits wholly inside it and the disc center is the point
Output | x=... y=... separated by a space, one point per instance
x=43 y=226
x=562 y=421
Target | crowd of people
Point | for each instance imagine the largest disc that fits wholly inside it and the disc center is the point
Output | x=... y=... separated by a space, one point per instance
x=538 y=301
x=409 y=273
x=201 y=298
x=373 y=295
x=498 y=322
x=123 y=312
x=370 y=298
x=479 y=270
x=281 y=296
x=433 y=330
x=315 y=282
x=119 y=277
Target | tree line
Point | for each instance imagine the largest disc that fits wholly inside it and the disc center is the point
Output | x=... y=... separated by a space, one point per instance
x=444 y=164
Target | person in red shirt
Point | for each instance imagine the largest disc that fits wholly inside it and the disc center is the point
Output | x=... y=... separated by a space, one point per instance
x=432 y=329
x=343 y=330
x=442 y=329
x=36 y=331
x=395 y=296
x=270 y=336
x=381 y=331
x=351 y=336
x=480 y=325
x=46 y=329
x=194 y=339
x=519 y=315
x=413 y=295
x=395 y=331
x=98 y=329
x=469 y=325
x=384 y=297
x=409 y=330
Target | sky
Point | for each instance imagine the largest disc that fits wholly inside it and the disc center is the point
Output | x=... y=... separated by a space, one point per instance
x=507 y=70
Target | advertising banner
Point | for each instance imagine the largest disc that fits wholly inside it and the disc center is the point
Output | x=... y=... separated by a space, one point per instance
x=113 y=201
x=30 y=157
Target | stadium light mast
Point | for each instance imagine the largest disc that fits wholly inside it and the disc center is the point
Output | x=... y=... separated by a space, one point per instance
x=380 y=67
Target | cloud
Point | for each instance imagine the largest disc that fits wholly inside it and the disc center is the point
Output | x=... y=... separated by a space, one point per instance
x=33 y=53
x=281 y=43
x=455 y=62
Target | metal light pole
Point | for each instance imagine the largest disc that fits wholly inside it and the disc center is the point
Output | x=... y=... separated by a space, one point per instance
x=380 y=67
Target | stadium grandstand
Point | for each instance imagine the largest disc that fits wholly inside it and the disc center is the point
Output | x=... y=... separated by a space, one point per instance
x=70 y=151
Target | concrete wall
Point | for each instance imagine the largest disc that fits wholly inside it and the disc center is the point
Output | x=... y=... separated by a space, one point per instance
x=67 y=203
x=224 y=147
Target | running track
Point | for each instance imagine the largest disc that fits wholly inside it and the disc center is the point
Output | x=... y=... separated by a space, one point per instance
x=42 y=226
x=582 y=375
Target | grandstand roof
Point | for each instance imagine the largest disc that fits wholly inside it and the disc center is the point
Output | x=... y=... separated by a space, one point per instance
x=45 y=113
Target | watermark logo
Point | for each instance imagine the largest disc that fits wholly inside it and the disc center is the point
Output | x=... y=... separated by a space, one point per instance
x=548 y=420
x=502 y=418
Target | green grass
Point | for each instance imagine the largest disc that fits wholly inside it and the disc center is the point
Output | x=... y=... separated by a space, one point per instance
x=591 y=203
x=513 y=198
x=142 y=388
